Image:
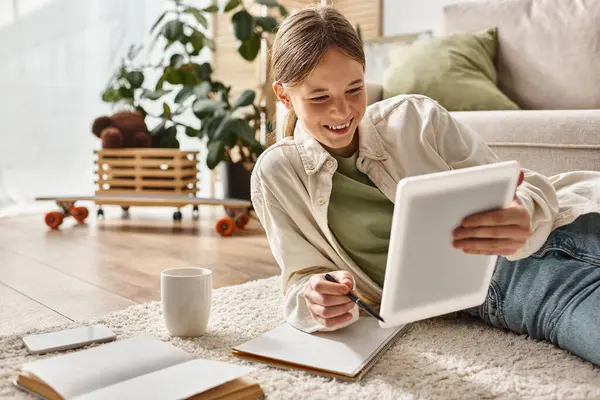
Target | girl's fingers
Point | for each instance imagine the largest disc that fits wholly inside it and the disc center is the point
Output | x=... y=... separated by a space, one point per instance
x=516 y=215
x=501 y=252
x=488 y=245
x=330 y=312
x=333 y=322
x=516 y=232
x=319 y=284
x=326 y=300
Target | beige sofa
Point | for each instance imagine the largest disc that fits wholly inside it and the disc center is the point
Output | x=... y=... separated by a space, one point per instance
x=547 y=62
x=546 y=141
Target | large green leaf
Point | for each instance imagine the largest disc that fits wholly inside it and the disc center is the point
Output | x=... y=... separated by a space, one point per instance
x=173 y=76
x=207 y=107
x=210 y=125
x=203 y=71
x=244 y=99
x=197 y=41
x=184 y=94
x=211 y=9
x=172 y=30
x=198 y=15
x=202 y=90
x=154 y=94
x=188 y=75
x=111 y=96
x=242 y=129
x=269 y=24
x=126 y=93
x=216 y=153
x=236 y=127
x=242 y=24
x=170 y=131
x=158 y=21
x=232 y=4
x=249 y=49
x=191 y=132
x=135 y=79
x=169 y=142
x=176 y=60
x=268 y=3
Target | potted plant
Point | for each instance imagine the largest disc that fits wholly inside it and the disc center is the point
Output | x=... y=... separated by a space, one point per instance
x=192 y=101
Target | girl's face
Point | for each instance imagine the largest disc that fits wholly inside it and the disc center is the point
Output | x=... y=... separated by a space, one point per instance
x=330 y=102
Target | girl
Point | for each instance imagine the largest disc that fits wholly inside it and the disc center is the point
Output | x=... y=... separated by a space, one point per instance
x=325 y=197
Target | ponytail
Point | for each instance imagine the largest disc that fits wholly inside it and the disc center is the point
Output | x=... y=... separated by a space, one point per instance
x=290 y=123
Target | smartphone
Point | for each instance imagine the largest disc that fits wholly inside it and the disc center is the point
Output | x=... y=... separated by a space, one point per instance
x=68 y=339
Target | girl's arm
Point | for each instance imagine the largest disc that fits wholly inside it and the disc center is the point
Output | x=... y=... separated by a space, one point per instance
x=460 y=147
x=298 y=259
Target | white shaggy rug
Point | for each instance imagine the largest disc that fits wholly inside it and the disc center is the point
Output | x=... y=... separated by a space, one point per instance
x=439 y=358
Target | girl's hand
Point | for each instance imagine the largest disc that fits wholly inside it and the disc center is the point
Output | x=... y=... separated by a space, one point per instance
x=499 y=232
x=327 y=301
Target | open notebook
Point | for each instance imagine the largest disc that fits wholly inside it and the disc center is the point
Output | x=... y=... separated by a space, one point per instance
x=348 y=353
x=137 y=368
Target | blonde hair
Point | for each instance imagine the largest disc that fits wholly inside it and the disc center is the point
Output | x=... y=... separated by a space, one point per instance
x=302 y=39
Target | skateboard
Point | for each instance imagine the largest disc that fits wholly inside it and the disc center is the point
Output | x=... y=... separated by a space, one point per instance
x=237 y=210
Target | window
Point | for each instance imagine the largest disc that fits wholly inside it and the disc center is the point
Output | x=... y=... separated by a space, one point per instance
x=10 y=10
x=7 y=12
x=25 y=7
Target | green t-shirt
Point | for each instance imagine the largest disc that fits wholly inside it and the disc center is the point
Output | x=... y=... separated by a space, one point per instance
x=360 y=217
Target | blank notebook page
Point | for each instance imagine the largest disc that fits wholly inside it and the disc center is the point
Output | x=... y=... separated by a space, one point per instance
x=345 y=351
x=177 y=382
x=82 y=371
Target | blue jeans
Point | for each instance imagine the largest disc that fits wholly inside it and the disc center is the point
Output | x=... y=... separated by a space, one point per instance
x=554 y=294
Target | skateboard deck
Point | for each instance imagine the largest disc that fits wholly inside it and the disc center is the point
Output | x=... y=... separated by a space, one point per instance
x=237 y=210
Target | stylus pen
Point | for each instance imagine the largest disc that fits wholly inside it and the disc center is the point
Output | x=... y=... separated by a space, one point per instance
x=355 y=299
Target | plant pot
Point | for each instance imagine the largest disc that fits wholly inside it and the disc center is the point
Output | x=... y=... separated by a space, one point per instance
x=236 y=181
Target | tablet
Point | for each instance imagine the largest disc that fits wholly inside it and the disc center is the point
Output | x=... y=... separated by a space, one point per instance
x=425 y=275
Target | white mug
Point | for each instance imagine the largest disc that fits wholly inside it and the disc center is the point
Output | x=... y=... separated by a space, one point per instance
x=186 y=295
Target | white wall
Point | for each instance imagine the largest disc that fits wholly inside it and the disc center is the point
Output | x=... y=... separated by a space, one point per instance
x=56 y=60
x=412 y=16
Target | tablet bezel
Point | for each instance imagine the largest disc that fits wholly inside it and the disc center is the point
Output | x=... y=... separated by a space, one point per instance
x=506 y=172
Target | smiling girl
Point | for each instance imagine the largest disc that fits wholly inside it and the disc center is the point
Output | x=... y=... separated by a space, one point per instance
x=325 y=197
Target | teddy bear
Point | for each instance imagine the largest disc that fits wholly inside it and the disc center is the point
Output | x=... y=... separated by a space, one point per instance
x=124 y=129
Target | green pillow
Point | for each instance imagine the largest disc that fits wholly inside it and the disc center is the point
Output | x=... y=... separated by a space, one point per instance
x=457 y=71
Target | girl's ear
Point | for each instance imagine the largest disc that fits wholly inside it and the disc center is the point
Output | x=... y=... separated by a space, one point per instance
x=281 y=94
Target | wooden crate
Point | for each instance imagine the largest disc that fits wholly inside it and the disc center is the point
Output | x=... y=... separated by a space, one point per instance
x=146 y=171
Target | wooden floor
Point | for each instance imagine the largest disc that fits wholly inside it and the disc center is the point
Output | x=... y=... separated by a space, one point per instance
x=86 y=270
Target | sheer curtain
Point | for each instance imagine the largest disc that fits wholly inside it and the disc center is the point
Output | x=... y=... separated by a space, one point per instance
x=57 y=56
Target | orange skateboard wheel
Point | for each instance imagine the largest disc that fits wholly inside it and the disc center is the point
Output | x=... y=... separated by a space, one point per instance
x=224 y=226
x=54 y=219
x=242 y=220
x=79 y=213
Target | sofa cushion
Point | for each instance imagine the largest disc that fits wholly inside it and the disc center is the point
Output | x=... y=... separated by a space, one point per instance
x=547 y=141
x=548 y=50
x=457 y=71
